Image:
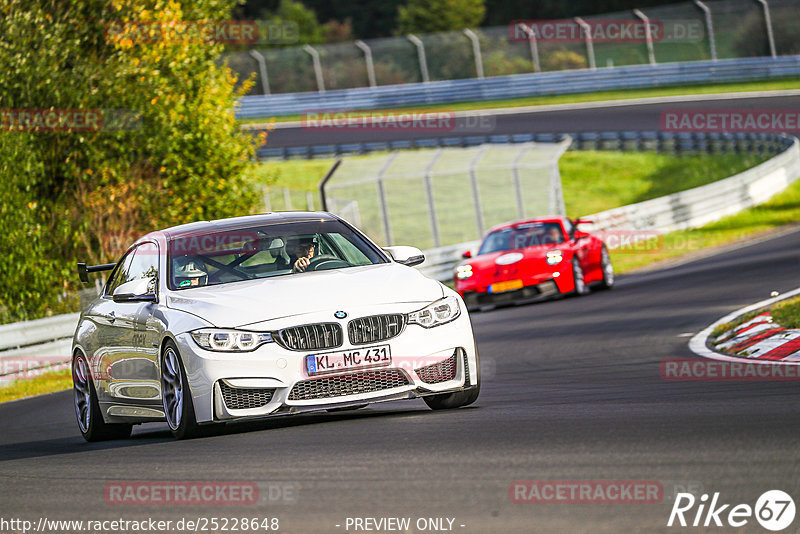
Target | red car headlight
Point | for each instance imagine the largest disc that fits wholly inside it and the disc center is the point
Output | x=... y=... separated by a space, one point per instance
x=463 y=272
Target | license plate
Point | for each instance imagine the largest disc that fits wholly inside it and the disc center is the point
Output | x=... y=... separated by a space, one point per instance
x=345 y=360
x=501 y=287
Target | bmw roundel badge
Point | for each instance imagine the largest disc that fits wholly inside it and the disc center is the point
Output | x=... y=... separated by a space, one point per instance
x=340 y=314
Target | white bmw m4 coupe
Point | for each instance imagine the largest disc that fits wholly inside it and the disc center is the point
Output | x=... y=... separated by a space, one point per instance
x=265 y=315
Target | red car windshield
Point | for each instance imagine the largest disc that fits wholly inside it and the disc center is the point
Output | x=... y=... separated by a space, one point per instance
x=522 y=236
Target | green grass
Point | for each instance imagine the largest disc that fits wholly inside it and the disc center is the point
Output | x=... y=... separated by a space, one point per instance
x=787 y=313
x=595 y=181
x=46 y=383
x=765 y=85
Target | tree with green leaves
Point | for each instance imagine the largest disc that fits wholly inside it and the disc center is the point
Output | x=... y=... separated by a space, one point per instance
x=85 y=193
x=426 y=16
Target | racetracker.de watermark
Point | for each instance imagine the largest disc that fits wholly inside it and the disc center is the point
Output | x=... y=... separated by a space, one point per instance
x=730 y=120
x=182 y=32
x=199 y=493
x=177 y=32
x=27 y=367
x=408 y=121
x=586 y=492
x=68 y=120
x=704 y=370
x=607 y=31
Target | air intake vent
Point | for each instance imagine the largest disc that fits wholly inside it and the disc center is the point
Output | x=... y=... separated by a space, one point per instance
x=375 y=328
x=311 y=337
x=350 y=384
x=245 y=398
x=439 y=372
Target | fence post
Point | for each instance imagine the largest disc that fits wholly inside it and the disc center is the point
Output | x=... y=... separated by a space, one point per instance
x=648 y=36
x=476 y=51
x=517 y=184
x=534 y=45
x=589 y=43
x=267 y=201
x=368 y=60
x=387 y=230
x=322 y=197
x=317 y=66
x=476 y=199
x=287 y=199
x=709 y=28
x=309 y=201
x=768 y=23
x=437 y=242
x=423 y=62
x=262 y=70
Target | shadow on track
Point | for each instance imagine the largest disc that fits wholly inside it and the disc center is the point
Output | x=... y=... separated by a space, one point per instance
x=156 y=433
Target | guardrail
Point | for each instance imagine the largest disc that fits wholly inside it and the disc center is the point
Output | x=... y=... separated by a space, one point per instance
x=685 y=209
x=625 y=141
x=35 y=345
x=520 y=85
x=702 y=205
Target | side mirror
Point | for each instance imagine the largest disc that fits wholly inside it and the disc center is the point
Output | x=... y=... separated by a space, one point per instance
x=467 y=254
x=135 y=291
x=577 y=234
x=406 y=255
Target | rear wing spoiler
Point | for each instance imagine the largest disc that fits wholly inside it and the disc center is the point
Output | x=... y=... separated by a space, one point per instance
x=84 y=270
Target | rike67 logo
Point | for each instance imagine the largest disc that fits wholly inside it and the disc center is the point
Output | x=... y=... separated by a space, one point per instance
x=774 y=510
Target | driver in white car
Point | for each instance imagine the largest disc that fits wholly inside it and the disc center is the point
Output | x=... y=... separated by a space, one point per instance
x=300 y=251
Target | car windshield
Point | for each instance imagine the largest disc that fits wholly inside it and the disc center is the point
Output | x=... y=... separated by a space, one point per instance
x=522 y=236
x=208 y=258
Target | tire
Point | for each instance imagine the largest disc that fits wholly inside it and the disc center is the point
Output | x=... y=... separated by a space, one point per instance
x=577 y=275
x=176 y=397
x=608 y=270
x=448 y=401
x=87 y=407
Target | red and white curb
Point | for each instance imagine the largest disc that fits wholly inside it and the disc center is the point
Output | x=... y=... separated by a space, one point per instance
x=759 y=340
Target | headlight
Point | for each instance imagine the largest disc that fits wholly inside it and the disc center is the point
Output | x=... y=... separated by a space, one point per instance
x=230 y=340
x=437 y=313
x=554 y=257
x=463 y=272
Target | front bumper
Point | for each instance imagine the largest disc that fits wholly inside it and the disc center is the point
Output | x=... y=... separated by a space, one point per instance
x=476 y=299
x=272 y=380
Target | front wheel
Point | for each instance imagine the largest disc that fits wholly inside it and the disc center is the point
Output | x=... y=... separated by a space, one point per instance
x=447 y=401
x=608 y=270
x=577 y=275
x=175 y=394
x=87 y=407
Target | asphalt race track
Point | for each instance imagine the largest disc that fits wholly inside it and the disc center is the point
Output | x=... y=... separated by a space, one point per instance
x=593 y=117
x=571 y=391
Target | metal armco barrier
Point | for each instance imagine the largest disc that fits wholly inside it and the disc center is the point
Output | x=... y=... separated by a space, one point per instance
x=626 y=141
x=520 y=86
x=31 y=345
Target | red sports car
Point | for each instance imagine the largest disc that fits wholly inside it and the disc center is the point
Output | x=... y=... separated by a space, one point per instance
x=533 y=259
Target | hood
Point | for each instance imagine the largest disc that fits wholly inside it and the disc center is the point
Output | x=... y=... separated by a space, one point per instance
x=489 y=261
x=241 y=303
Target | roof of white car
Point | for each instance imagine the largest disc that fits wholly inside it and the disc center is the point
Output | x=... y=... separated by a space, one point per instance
x=249 y=220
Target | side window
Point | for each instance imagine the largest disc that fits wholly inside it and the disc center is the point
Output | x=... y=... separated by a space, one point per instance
x=120 y=275
x=145 y=265
x=349 y=250
x=568 y=227
x=139 y=263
